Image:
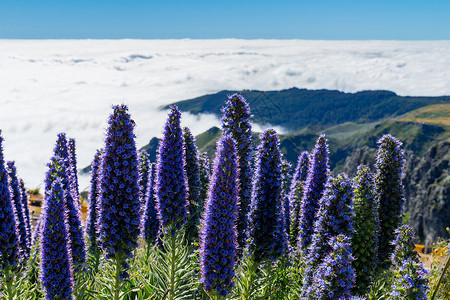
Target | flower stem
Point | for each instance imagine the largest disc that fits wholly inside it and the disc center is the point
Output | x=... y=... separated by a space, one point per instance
x=172 y=265
x=444 y=270
x=117 y=283
x=8 y=283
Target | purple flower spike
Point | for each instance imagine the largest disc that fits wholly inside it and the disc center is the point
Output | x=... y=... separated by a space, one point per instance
x=410 y=277
x=218 y=235
x=119 y=195
x=26 y=210
x=73 y=170
x=333 y=218
x=144 y=173
x=94 y=193
x=267 y=237
x=204 y=177
x=9 y=237
x=16 y=197
x=335 y=277
x=236 y=123
x=389 y=192
x=150 y=223
x=57 y=275
x=171 y=182
x=194 y=185
x=314 y=188
x=77 y=243
x=296 y=194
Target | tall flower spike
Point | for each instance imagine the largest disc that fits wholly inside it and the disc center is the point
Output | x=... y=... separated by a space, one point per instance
x=119 y=195
x=150 y=223
x=267 y=237
x=366 y=225
x=286 y=178
x=171 y=183
x=73 y=170
x=144 y=173
x=296 y=194
x=314 y=188
x=410 y=277
x=9 y=240
x=16 y=197
x=92 y=219
x=335 y=277
x=26 y=210
x=77 y=243
x=56 y=275
x=204 y=177
x=389 y=193
x=333 y=218
x=194 y=185
x=218 y=235
x=236 y=123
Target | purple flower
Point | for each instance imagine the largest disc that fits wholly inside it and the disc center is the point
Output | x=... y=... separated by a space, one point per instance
x=73 y=175
x=150 y=223
x=366 y=225
x=9 y=237
x=335 y=277
x=296 y=194
x=144 y=173
x=26 y=211
x=267 y=235
x=389 y=193
x=171 y=182
x=119 y=190
x=94 y=193
x=56 y=266
x=204 y=177
x=410 y=277
x=16 y=198
x=314 y=188
x=72 y=204
x=235 y=122
x=218 y=235
x=194 y=185
x=333 y=218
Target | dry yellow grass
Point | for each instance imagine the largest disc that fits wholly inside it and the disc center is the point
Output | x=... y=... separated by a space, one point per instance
x=438 y=114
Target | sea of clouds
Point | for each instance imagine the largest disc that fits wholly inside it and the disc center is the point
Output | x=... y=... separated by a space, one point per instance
x=52 y=86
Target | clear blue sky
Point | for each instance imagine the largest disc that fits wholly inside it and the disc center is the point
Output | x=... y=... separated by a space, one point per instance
x=147 y=19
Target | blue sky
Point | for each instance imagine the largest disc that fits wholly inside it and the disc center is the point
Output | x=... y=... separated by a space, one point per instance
x=312 y=19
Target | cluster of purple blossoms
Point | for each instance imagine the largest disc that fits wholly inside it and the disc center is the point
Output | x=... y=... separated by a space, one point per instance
x=171 y=183
x=218 y=235
x=389 y=193
x=286 y=178
x=16 y=198
x=236 y=123
x=194 y=185
x=313 y=191
x=94 y=193
x=366 y=228
x=73 y=171
x=77 y=243
x=333 y=218
x=56 y=262
x=9 y=240
x=335 y=276
x=204 y=177
x=150 y=228
x=410 y=277
x=26 y=211
x=296 y=194
x=144 y=173
x=267 y=237
x=119 y=190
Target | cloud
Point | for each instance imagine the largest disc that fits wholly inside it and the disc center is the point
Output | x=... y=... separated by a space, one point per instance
x=50 y=86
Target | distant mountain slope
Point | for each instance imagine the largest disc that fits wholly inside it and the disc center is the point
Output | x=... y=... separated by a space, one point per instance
x=296 y=108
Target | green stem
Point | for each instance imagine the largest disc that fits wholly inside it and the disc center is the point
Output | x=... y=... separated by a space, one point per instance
x=444 y=270
x=172 y=266
x=250 y=279
x=8 y=283
x=117 y=283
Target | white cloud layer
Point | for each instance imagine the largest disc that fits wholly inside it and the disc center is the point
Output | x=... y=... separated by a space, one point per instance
x=52 y=86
